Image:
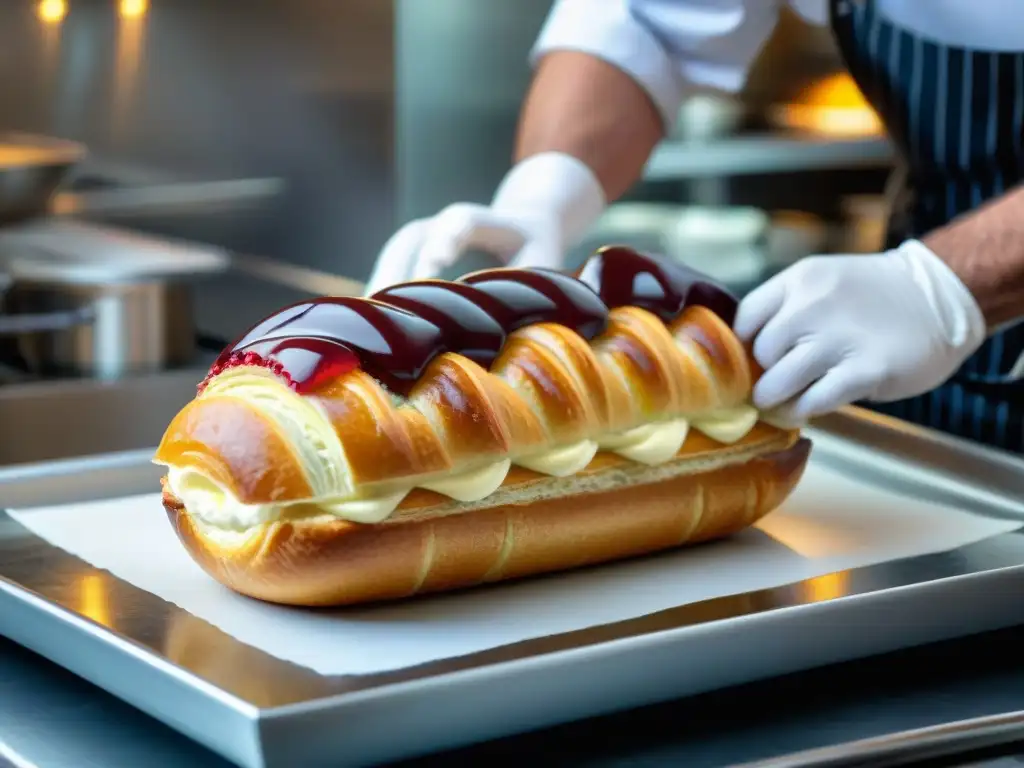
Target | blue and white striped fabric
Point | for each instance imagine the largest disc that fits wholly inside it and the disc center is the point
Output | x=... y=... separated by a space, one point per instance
x=957 y=117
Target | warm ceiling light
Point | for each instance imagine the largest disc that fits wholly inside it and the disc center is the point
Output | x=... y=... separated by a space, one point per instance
x=833 y=106
x=132 y=9
x=52 y=11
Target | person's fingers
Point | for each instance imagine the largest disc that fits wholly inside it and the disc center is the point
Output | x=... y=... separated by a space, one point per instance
x=397 y=257
x=758 y=307
x=777 y=338
x=461 y=227
x=844 y=384
x=796 y=371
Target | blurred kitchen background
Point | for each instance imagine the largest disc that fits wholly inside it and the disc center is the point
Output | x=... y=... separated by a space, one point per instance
x=229 y=157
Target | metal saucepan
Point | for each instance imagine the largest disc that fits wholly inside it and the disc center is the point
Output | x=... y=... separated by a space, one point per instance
x=105 y=332
x=86 y=300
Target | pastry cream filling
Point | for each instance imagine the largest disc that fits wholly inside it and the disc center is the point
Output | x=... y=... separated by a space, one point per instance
x=301 y=420
x=560 y=462
x=323 y=456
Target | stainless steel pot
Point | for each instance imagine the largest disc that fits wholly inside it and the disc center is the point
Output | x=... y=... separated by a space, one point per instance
x=102 y=331
x=93 y=301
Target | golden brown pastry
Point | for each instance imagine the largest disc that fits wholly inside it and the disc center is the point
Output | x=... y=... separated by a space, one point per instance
x=445 y=434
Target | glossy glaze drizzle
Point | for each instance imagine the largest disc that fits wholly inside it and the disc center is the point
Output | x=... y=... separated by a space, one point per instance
x=396 y=333
x=622 y=277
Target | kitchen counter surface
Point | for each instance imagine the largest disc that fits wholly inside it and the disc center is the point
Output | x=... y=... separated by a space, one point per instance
x=50 y=719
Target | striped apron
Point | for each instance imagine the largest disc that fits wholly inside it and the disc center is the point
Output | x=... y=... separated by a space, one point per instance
x=955 y=116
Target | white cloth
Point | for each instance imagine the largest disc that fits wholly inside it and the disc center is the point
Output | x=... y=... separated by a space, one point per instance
x=832 y=330
x=672 y=46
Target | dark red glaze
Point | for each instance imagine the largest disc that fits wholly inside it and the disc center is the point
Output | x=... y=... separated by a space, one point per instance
x=314 y=339
x=308 y=363
x=472 y=322
x=395 y=334
x=531 y=296
x=622 y=278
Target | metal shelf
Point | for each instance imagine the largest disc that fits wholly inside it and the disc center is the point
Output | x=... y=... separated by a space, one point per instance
x=765 y=153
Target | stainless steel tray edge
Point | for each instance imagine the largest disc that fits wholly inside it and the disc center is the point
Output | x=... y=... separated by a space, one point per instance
x=926 y=462
x=74 y=480
x=518 y=696
x=148 y=681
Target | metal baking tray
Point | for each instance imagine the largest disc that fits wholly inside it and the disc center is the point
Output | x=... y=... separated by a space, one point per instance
x=256 y=710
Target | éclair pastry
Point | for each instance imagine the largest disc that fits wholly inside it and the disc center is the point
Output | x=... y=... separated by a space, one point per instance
x=440 y=435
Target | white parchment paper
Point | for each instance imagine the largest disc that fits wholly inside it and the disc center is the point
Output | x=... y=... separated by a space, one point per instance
x=831 y=523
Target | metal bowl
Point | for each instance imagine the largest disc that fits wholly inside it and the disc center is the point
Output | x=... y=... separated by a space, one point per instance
x=32 y=169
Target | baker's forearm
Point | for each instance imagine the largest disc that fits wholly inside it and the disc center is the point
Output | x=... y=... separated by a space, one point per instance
x=587 y=108
x=986 y=250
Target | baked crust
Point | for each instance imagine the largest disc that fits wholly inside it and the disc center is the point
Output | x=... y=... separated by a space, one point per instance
x=533 y=524
x=549 y=389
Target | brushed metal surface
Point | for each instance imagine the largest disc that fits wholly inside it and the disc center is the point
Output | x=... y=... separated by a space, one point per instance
x=51 y=420
x=169 y=198
x=256 y=710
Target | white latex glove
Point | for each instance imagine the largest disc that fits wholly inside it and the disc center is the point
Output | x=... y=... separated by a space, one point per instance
x=542 y=207
x=831 y=330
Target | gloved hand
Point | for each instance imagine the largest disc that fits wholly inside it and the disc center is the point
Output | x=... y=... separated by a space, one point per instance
x=831 y=330
x=542 y=207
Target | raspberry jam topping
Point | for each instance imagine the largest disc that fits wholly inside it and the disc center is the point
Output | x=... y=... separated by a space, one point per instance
x=306 y=364
x=395 y=334
x=249 y=359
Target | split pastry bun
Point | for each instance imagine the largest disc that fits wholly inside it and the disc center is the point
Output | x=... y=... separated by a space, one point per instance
x=624 y=430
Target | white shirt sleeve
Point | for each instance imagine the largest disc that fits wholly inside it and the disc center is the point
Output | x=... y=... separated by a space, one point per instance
x=667 y=46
